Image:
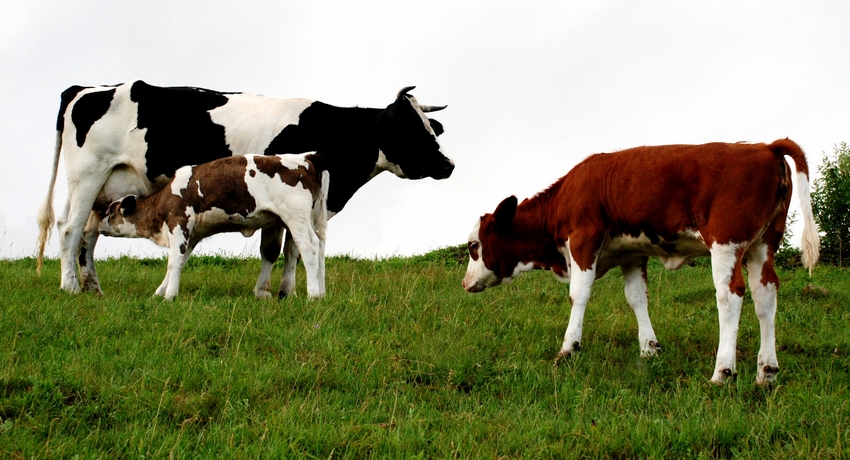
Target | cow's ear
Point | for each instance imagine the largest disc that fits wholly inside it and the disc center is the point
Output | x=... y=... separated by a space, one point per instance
x=436 y=126
x=505 y=212
x=128 y=205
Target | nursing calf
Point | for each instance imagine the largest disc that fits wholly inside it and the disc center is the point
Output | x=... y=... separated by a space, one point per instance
x=675 y=202
x=233 y=194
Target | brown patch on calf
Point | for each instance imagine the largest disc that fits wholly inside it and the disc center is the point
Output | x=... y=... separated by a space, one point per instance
x=219 y=188
x=272 y=165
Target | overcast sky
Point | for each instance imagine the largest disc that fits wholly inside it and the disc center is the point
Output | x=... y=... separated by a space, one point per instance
x=532 y=88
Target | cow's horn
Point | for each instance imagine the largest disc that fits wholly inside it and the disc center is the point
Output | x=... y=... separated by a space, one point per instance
x=432 y=108
x=404 y=91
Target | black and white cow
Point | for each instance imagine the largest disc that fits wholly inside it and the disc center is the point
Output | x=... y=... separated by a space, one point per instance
x=233 y=194
x=131 y=138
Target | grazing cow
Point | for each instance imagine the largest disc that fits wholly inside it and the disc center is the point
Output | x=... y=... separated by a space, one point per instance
x=675 y=202
x=131 y=138
x=232 y=194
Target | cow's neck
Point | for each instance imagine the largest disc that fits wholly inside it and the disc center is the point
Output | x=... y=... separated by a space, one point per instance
x=345 y=137
x=532 y=225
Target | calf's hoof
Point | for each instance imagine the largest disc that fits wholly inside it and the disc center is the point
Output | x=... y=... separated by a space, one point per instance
x=651 y=349
x=564 y=354
x=766 y=375
x=724 y=375
x=262 y=294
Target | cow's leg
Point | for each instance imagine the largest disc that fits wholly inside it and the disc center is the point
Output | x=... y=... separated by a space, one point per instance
x=580 y=283
x=270 y=242
x=291 y=255
x=763 y=286
x=729 y=285
x=308 y=245
x=634 y=277
x=88 y=274
x=81 y=200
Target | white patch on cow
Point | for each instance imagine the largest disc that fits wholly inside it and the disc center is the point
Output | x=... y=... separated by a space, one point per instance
x=478 y=277
x=181 y=180
x=200 y=193
x=565 y=251
x=239 y=118
x=687 y=245
x=385 y=165
x=520 y=268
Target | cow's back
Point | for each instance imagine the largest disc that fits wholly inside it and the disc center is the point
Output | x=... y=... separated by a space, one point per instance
x=669 y=189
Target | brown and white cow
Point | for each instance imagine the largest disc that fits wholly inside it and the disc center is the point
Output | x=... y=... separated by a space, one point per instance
x=674 y=202
x=232 y=194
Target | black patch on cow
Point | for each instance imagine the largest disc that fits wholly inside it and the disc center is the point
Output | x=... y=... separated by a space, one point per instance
x=345 y=138
x=179 y=128
x=348 y=140
x=67 y=96
x=88 y=109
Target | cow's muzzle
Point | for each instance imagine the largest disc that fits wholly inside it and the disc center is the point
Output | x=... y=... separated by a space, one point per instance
x=445 y=170
x=473 y=286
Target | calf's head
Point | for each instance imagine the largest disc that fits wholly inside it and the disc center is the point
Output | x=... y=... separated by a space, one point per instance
x=498 y=252
x=119 y=219
x=408 y=140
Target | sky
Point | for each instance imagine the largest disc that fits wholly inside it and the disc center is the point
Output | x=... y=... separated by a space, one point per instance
x=532 y=88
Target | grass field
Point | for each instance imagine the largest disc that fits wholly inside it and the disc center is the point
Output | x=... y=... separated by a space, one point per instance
x=399 y=362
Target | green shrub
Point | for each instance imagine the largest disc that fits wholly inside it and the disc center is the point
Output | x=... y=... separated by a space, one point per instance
x=831 y=206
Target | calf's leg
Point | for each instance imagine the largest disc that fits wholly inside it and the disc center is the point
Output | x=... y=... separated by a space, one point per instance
x=180 y=249
x=580 y=283
x=763 y=286
x=634 y=277
x=309 y=246
x=729 y=285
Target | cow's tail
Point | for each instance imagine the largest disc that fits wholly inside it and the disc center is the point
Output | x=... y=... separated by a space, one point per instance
x=45 y=213
x=810 y=243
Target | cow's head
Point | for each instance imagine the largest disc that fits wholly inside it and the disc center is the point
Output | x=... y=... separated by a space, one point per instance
x=118 y=220
x=498 y=252
x=408 y=140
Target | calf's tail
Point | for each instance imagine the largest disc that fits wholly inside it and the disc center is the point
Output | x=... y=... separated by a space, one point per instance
x=320 y=209
x=810 y=244
x=45 y=217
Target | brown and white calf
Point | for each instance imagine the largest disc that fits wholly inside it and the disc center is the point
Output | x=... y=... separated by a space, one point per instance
x=674 y=202
x=232 y=194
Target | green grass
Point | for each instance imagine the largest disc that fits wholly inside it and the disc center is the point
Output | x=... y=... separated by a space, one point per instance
x=399 y=362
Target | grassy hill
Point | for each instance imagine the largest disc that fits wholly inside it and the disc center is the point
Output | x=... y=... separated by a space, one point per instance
x=399 y=362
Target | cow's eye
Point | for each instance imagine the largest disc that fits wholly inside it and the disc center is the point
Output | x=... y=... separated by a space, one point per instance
x=473 y=246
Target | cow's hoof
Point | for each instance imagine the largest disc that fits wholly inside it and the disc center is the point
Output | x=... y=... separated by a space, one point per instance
x=263 y=294
x=71 y=288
